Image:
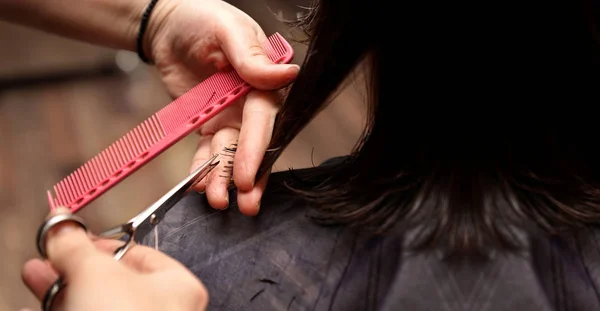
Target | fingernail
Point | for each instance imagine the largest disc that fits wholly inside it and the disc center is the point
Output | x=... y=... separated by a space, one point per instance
x=294 y=69
x=292 y=72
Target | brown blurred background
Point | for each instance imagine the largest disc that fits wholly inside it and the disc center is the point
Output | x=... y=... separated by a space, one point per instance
x=61 y=102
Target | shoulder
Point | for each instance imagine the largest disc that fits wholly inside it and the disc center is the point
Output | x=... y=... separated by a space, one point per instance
x=279 y=254
x=276 y=203
x=194 y=226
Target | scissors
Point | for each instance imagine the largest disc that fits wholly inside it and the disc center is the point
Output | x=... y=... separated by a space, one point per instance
x=134 y=230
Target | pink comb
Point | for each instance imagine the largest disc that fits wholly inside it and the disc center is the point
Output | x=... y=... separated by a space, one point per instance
x=159 y=132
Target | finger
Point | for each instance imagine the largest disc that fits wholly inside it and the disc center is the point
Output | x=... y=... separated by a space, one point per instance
x=243 y=48
x=140 y=257
x=38 y=276
x=108 y=246
x=147 y=260
x=200 y=157
x=218 y=180
x=249 y=201
x=259 y=115
x=68 y=247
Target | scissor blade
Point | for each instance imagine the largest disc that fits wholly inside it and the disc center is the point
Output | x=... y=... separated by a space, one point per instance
x=116 y=231
x=144 y=222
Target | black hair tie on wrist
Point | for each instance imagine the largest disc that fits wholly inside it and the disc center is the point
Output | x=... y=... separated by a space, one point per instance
x=143 y=26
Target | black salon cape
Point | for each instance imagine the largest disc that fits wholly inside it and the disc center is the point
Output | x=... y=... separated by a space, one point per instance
x=281 y=260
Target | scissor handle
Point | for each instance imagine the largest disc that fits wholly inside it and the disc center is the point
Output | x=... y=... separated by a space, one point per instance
x=146 y=219
x=126 y=228
x=52 y=293
x=42 y=236
x=52 y=222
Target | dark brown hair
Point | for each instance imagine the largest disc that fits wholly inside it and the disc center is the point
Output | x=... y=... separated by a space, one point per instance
x=481 y=167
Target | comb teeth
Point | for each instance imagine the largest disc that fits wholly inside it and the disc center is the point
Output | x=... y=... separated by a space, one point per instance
x=109 y=163
x=276 y=48
x=223 y=83
x=149 y=139
x=197 y=99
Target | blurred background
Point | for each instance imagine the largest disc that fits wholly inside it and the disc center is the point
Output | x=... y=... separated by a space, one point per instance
x=62 y=101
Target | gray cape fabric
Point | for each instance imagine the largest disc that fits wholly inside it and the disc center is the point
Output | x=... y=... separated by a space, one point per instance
x=281 y=260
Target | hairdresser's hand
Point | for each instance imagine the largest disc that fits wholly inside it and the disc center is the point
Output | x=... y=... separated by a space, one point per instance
x=188 y=41
x=144 y=279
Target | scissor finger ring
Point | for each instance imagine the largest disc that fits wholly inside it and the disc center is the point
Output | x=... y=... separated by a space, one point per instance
x=51 y=223
x=45 y=228
x=52 y=293
x=137 y=228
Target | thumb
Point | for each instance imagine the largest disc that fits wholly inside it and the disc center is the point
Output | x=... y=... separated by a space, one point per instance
x=68 y=246
x=243 y=47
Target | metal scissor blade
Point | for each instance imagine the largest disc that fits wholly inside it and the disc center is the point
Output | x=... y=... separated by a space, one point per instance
x=116 y=232
x=143 y=223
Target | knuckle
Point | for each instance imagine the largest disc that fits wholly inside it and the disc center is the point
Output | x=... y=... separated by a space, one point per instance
x=229 y=132
x=193 y=287
x=201 y=294
x=144 y=259
x=256 y=50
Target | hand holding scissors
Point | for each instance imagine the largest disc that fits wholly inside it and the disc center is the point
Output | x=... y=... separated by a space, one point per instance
x=97 y=281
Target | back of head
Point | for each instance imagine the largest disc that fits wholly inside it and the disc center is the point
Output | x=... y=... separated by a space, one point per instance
x=444 y=145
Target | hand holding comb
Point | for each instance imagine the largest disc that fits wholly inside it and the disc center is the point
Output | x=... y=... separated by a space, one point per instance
x=158 y=133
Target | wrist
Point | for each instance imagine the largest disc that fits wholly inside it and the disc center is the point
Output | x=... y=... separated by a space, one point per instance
x=155 y=23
